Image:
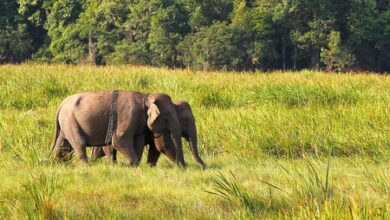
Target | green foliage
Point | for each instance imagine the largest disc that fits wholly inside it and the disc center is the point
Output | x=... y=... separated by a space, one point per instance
x=15 y=40
x=231 y=191
x=257 y=34
x=336 y=58
x=215 y=99
x=315 y=189
x=210 y=48
x=14 y=44
x=40 y=191
x=168 y=25
x=131 y=53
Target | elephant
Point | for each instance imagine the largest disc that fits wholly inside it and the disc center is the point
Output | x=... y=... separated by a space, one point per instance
x=158 y=144
x=83 y=120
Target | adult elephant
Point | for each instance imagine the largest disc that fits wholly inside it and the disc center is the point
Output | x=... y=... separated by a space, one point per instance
x=83 y=120
x=159 y=143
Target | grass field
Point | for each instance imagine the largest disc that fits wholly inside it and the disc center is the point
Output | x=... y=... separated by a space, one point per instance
x=281 y=145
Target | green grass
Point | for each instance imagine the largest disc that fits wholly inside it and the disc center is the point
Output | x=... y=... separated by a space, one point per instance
x=281 y=145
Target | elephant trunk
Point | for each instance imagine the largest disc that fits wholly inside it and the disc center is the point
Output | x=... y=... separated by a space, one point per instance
x=193 y=142
x=176 y=139
x=179 y=150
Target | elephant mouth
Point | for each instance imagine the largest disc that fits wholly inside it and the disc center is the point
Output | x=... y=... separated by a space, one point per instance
x=157 y=135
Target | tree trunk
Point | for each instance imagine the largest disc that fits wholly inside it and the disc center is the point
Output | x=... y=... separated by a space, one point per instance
x=295 y=58
x=316 y=60
x=91 y=49
x=284 y=53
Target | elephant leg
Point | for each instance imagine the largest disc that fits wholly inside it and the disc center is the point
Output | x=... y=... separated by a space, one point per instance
x=114 y=155
x=81 y=152
x=171 y=154
x=64 y=151
x=72 y=133
x=139 y=143
x=79 y=146
x=110 y=154
x=97 y=152
x=57 y=146
x=126 y=147
x=164 y=144
x=153 y=155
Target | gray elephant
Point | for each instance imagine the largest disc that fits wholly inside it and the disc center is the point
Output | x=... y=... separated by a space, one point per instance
x=83 y=120
x=160 y=143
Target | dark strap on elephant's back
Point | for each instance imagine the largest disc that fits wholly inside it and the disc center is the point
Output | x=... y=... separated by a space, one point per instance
x=112 y=117
x=145 y=104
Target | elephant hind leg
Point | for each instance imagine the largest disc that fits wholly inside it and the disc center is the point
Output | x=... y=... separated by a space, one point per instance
x=79 y=146
x=81 y=151
x=126 y=148
x=64 y=152
x=56 y=147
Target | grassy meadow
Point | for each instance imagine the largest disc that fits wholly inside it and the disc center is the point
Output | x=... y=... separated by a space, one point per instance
x=302 y=145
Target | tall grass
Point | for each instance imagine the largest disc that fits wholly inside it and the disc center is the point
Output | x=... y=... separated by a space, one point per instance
x=40 y=191
x=283 y=145
x=230 y=190
x=33 y=199
x=310 y=186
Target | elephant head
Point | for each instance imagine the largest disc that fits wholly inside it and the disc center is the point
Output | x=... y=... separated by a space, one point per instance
x=162 y=142
x=163 y=120
x=188 y=128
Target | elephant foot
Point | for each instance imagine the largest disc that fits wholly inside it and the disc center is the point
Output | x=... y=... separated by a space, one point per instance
x=181 y=165
x=150 y=164
x=133 y=164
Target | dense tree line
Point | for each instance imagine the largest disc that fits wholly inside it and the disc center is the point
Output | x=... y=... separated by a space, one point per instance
x=200 y=34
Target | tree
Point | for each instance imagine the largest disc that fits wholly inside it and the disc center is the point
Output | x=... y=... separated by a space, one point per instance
x=209 y=49
x=313 y=39
x=242 y=36
x=133 y=46
x=168 y=25
x=336 y=57
x=204 y=13
x=65 y=44
x=101 y=26
x=15 y=40
x=258 y=34
x=265 y=52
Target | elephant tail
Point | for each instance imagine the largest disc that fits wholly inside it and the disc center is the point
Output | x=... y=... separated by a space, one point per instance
x=56 y=140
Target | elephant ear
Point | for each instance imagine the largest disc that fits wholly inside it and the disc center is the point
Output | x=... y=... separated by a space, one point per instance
x=153 y=113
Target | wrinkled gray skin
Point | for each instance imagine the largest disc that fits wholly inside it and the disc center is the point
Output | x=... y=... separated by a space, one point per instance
x=159 y=143
x=82 y=120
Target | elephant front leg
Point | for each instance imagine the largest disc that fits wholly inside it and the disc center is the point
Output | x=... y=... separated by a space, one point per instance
x=164 y=144
x=153 y=155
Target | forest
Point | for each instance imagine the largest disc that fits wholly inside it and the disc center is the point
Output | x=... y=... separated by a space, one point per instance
x=330 y=35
